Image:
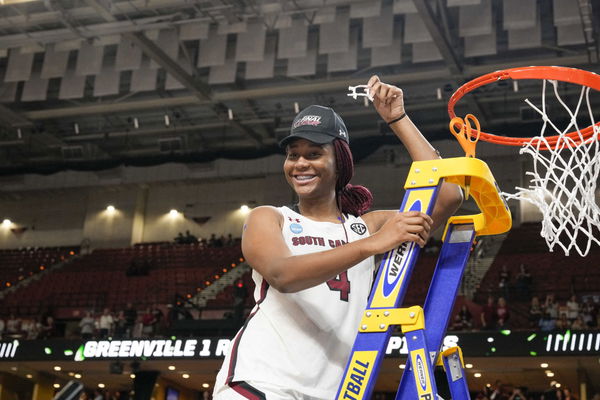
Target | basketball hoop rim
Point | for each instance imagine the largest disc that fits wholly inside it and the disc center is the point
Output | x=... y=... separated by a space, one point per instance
x=564 y=74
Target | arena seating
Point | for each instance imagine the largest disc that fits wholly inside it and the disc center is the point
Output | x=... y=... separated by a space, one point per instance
x=19 y=264
x=143 y=275
x=551 y=272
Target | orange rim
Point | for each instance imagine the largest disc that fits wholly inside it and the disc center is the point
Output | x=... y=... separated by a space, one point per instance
x=564 y=74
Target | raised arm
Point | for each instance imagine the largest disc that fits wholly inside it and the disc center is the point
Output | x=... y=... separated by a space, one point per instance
x=265 y=249
x=389 y=103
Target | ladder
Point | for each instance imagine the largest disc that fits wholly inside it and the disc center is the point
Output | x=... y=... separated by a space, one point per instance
x=424 y=327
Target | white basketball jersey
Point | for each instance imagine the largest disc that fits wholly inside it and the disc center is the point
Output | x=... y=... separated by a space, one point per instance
x=301 y=341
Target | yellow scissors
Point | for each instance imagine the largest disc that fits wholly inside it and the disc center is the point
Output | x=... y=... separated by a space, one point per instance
x=468 y=138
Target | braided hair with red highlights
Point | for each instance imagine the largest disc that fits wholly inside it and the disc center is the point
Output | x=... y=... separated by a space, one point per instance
x=351 y=199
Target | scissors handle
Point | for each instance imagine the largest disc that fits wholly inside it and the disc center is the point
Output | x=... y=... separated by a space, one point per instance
x=466 y=135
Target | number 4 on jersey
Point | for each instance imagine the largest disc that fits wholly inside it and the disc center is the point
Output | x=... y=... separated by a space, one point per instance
x=340 y=284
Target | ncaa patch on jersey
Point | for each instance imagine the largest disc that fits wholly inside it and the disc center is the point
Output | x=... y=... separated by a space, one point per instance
x=296 y=228
x=359 y=228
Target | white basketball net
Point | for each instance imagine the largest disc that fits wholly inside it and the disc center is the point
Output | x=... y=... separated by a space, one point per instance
x=564 y=179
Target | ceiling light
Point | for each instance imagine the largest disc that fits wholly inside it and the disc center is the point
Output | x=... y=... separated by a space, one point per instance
x=244 y=209
x=549 y=374
x=544 y=365
x=57 y=368
x=185 y=376
x=402 y=366
x=29 y=376
x=101 y=385
x=171 y=368
x=6 y=222
x=205 y=385
x=468 y=365
x=132 y=376
x=557 y=385
x=477 y=375
x=77 y=376
x=173 y=213
x=56 y=385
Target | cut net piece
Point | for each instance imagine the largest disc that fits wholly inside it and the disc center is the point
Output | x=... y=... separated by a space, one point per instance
x=360 y=91
x=564 y=180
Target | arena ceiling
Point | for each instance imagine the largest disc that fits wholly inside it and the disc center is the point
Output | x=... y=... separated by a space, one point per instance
x=93 y=84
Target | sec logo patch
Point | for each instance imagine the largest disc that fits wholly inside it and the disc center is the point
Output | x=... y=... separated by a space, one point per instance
x=359 y=228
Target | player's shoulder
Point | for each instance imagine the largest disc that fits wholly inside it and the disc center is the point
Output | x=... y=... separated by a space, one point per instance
x=265 y=213
x=375 y=219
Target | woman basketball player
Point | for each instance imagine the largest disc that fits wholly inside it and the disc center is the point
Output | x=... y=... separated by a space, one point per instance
x=313 y=262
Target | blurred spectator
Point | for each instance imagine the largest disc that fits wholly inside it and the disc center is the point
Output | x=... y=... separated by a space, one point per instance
x=2 y=327
x=572 y=308
x=179 y=239
x=504 y=281
x=569 y=394
x=502 y=314
x=563 y=323
x=488 y=314
x=189 y=238
x=456 y=324
x=48 y=328
x=578 y=324
x=120 y=325
x=13 y=325
x=590 y=313
x=518 y=393
x=87 y=325
x=550 y=306
x=147 y=324
x=158 y=321
x=547 y=323
x=495 y=392
x=535 y=312
x=31 y=328
x=551 y=394
x=105 y=323
x=465 y=317
x=130 y=318
x=230 y=241
x=523 y=283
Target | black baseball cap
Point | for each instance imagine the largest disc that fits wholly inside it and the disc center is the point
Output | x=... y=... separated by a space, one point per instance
x=318 y=124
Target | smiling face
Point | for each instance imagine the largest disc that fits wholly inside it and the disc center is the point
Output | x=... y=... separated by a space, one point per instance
x=310 y=169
